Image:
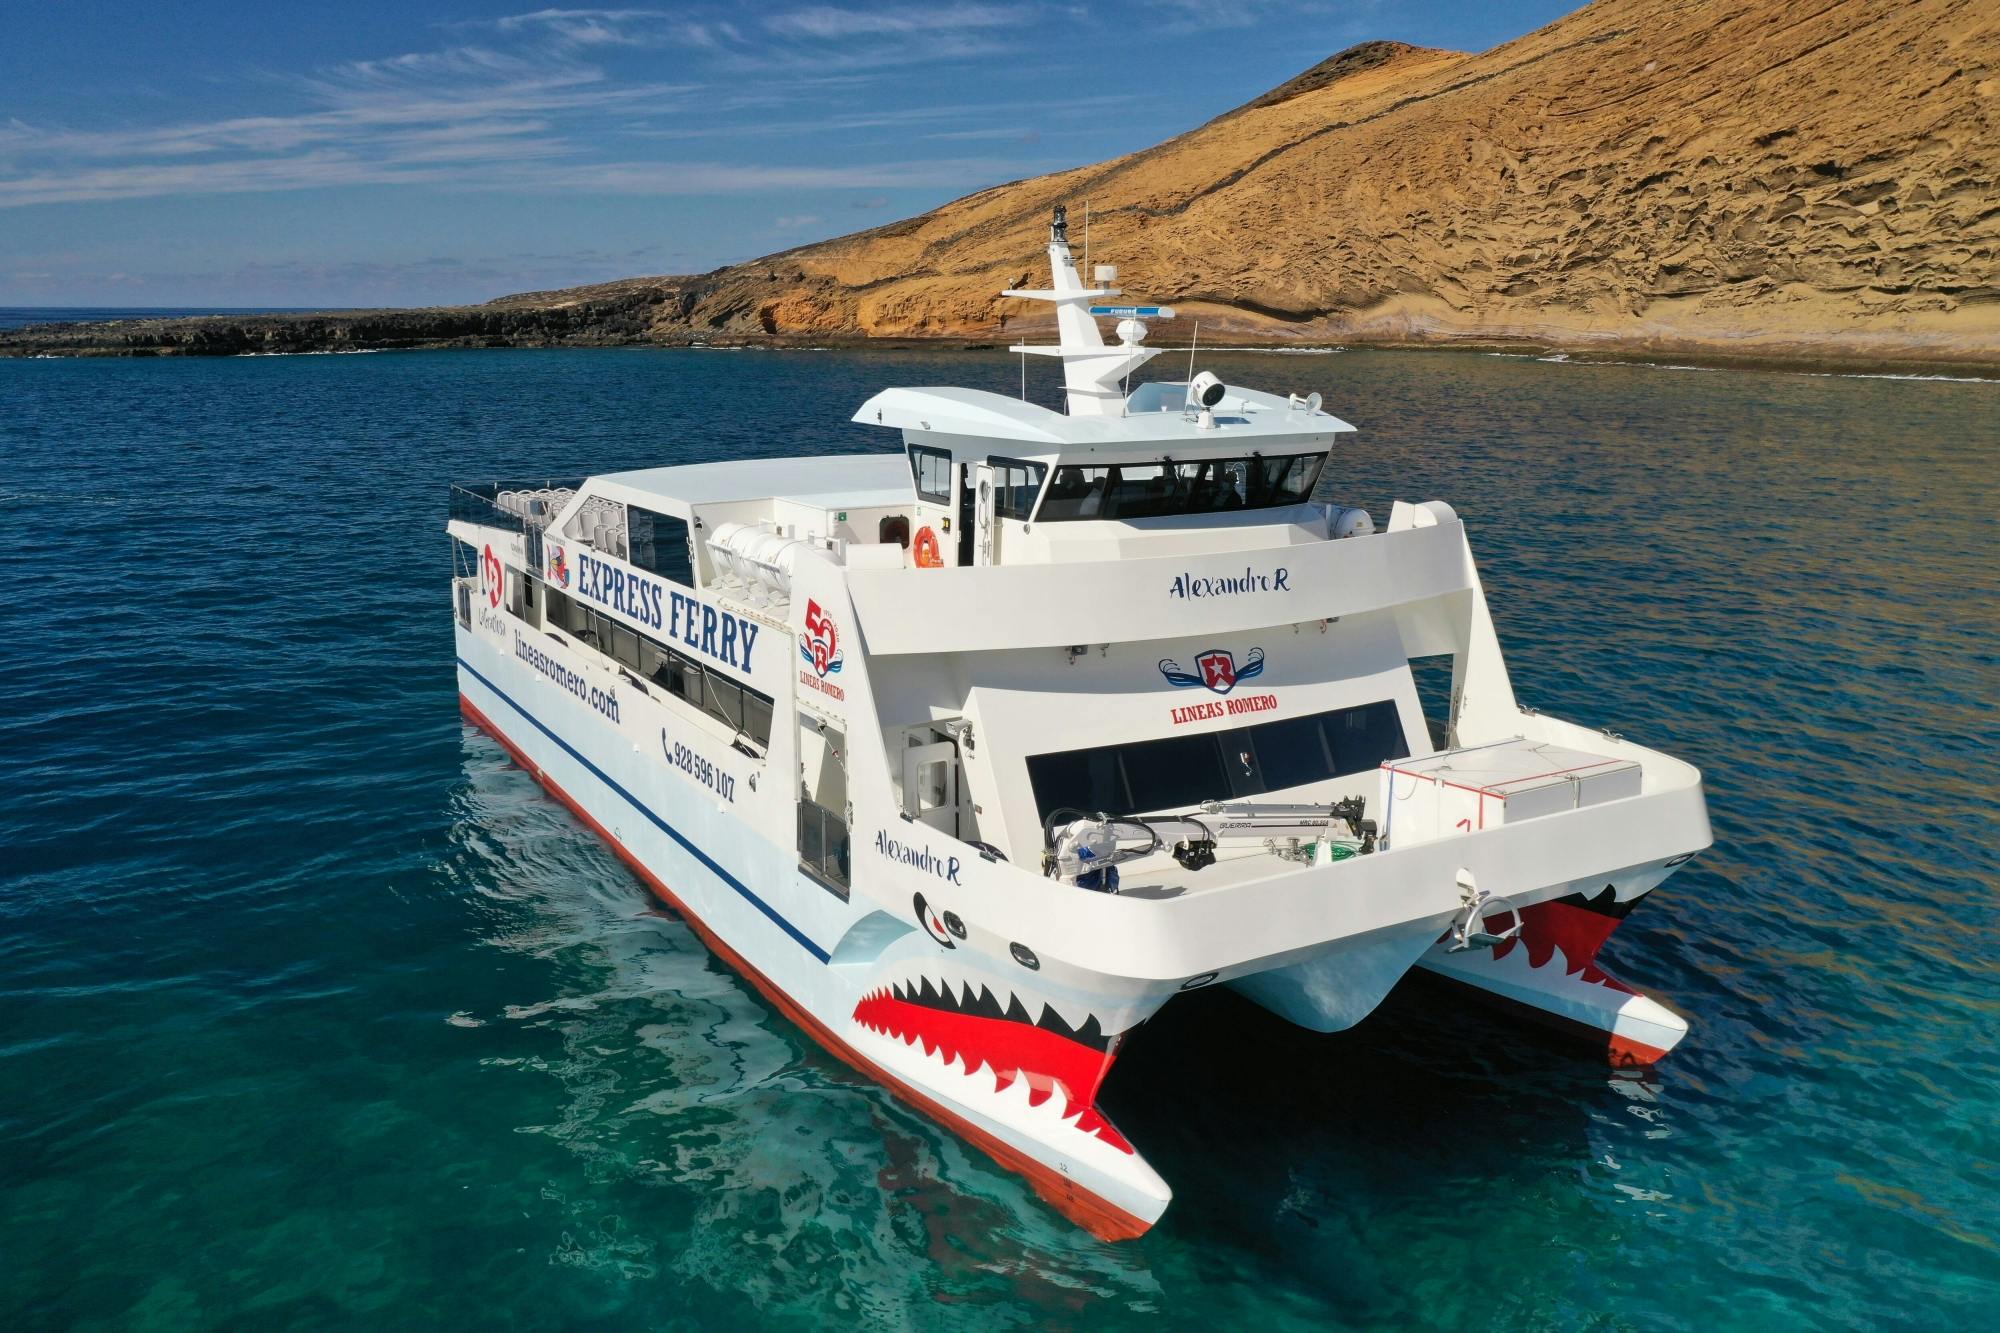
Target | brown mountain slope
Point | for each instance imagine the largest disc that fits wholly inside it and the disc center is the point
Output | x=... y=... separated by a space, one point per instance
x=1767 y=178
x=1771 y=176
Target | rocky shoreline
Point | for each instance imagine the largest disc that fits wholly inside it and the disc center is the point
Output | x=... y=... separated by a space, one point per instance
x=633 y=320
x=605 y=323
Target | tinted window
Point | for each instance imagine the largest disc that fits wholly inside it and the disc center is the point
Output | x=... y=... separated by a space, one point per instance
x=1180 y=772
x=1291 y=752
x=1160 y=773
x=660 y=544
x=1362 y=738
x=1206 y=486
x=1091 y=780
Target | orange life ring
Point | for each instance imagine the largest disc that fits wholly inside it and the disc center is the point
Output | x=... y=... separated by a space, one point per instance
x=926 y=550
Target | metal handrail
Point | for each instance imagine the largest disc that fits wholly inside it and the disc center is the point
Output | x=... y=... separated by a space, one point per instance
x=479 y=501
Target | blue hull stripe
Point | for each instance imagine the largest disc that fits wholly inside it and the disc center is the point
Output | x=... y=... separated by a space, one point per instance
x=805 y=941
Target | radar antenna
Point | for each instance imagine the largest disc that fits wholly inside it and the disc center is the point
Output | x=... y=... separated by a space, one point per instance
x=1092 y=372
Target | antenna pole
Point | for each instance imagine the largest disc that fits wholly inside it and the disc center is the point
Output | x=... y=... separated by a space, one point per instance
x=1086 y=240
x=1193 y=338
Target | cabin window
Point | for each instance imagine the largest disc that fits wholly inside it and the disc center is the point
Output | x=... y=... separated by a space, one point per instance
x=660 y=544
x=756 y=716
x=656 y=663
x=723 y=698
x=621 y=641
x=1202 y=486
x=565 y=613
x=1180 y=772
x=1015 y=486
x=932 y=470
x=686 y=679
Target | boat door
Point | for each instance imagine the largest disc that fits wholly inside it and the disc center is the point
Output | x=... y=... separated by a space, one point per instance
x=984 y=503
x=930 y=785
x=965 y=523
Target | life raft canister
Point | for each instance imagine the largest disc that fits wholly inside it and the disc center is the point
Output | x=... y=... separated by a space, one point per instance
x=926 y=549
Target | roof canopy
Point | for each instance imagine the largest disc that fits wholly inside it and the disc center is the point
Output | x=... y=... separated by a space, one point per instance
x=835 y=481
x=1245 y=420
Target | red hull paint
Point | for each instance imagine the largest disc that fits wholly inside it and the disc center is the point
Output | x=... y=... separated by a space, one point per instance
x=1098 y=1216
x=1052 y=1065
x=1577 y=931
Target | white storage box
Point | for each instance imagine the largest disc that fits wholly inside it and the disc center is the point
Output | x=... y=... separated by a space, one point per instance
x=1464 y=791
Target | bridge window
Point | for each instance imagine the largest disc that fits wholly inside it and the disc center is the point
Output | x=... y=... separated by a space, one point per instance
x=1180 y=772
x=1015 y=486
x=1156 y=490
x=932 y=470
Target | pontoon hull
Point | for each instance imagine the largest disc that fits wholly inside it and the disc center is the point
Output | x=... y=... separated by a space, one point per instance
x=1550 y=974
x=1021 y=1086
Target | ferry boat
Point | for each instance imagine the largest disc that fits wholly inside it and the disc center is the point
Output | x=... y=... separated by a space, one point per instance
x=973 y=751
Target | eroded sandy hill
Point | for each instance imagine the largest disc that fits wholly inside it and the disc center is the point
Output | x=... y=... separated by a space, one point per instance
x=1751 y=177
x=1760 y=176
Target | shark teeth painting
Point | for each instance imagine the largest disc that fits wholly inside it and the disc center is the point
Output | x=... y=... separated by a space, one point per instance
x=1051 y=1058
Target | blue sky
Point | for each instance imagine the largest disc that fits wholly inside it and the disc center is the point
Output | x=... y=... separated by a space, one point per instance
x=365 y=153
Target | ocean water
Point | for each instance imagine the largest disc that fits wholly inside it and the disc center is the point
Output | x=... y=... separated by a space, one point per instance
x=316 y=1013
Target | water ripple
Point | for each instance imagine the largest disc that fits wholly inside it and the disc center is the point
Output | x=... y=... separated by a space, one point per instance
x=319 y=1013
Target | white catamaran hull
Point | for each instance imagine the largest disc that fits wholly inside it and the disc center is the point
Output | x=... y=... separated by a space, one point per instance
x=1023 y=1090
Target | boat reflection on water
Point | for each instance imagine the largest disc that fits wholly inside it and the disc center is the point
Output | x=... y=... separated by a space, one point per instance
x=673 y=1075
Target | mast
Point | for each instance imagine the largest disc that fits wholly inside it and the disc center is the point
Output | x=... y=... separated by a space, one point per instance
x=1093 y=373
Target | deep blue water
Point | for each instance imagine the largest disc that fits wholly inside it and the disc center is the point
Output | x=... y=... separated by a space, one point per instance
x=317 y=1013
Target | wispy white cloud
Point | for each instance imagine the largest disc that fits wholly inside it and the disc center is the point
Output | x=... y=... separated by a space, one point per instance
x=535 y=101
x=614 y=27
x=1014 y=134
x=834 y=23
x=1017 y=119
x=698 y=178
x=1185 y=17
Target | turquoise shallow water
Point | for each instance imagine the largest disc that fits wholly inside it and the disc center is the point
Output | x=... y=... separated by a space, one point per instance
x=316 y=1013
